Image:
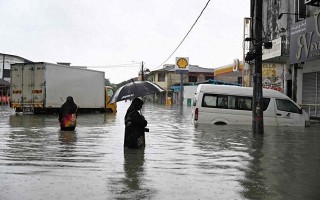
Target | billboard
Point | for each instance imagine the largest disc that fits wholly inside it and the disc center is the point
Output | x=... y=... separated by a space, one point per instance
x=305 y=40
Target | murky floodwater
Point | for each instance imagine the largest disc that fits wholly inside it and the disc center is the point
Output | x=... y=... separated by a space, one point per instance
x=37 y=161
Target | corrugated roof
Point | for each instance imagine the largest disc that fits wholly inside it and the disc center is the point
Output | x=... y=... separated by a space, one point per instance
x=25 y=60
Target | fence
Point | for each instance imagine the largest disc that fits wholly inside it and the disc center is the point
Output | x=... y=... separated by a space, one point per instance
x=313 y=110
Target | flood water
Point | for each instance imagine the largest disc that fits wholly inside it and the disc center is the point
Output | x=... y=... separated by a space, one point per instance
x=38 y=161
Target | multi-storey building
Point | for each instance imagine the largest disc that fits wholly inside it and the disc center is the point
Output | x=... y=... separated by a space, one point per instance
x=293 y=26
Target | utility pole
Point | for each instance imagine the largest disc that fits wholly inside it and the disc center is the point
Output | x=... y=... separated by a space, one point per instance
x=142 y=72
x=257 y=106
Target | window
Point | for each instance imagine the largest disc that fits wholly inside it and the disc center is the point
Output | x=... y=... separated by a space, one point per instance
x=6 y=73
x=161 y=77
x=209 y=101
x=222 y=102
x=287 y=106
x=244 y=103
x=231 y=102
x=239 y=80
x=192 y=78
x=300 y=10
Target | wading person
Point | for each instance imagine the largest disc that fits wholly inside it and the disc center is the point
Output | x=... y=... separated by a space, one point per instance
x=68 y=115
x=135 y=125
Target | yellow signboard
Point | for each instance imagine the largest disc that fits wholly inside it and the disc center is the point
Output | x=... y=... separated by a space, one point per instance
x=182 y=63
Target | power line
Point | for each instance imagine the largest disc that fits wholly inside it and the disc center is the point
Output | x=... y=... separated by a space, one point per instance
x=185 y=35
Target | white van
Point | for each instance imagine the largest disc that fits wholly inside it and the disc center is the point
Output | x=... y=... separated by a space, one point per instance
x=224 y=104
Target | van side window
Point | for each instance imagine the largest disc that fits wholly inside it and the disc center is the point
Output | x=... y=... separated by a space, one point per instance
x=244 y=103
x=209 y=101
x=222 y=101
x=286 y=105
x=231 y=102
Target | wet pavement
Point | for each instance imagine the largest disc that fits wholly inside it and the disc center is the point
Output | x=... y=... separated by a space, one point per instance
x=38 y=161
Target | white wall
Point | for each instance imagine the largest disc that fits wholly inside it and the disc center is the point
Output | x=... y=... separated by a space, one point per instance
x=188 y=93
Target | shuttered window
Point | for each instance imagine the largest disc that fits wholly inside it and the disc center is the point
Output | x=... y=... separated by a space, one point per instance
x=311 y=93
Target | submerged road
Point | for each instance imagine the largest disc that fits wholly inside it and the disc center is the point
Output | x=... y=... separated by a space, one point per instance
x=38 y=161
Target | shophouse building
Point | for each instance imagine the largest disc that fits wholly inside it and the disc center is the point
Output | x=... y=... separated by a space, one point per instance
x=167 y=77
x=293 y=26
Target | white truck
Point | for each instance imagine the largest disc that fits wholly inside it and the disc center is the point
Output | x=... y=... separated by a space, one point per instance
x=43 y=87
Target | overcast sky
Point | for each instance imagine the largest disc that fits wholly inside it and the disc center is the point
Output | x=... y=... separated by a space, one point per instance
x=117 y=32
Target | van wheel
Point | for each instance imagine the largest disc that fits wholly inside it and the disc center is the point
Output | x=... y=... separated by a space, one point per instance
x=220 y=123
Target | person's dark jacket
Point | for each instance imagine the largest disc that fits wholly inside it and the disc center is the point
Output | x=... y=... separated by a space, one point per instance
x=69 y=107
x=135 y=124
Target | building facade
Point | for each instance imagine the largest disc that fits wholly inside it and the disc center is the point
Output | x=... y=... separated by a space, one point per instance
x=293 y=26
x=5 y=63
x=167 y=78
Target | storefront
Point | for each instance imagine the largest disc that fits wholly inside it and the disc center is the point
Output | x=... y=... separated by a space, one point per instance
x=311 y=88
x=274 y=70
x=305 y=62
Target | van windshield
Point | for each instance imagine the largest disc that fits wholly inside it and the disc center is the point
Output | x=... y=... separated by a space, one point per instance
x=287 y=106
x=230 y=102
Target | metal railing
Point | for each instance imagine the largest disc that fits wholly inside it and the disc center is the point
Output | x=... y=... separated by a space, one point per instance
x=313 y=110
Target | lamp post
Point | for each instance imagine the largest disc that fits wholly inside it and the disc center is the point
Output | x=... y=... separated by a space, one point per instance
x=142 y=72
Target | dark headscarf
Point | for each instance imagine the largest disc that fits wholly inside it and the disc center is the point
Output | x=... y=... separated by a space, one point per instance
x=135 y=106
x=68 y=107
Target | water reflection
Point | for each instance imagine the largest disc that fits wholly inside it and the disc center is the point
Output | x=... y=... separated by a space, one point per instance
x=27 y=121
x=133 y=167
x=254 y=182
x=134 y=174
x=68 y=137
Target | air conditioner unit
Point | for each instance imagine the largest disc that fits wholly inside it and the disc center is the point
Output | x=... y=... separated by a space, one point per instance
x=312 y=2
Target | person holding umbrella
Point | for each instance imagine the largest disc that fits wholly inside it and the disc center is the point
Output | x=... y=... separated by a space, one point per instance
x=68 y=115
x=135 y=125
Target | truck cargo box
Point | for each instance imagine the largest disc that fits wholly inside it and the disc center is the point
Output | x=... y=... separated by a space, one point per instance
x=44 y=87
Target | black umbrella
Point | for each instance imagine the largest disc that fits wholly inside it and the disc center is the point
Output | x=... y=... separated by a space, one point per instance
x=135 y=89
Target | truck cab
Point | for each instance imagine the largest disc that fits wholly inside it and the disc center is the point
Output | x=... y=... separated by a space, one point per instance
x=110 y=107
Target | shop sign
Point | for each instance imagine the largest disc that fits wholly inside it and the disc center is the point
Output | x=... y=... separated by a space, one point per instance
x=272 y=76
x=274 y=52
x=305 y=40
